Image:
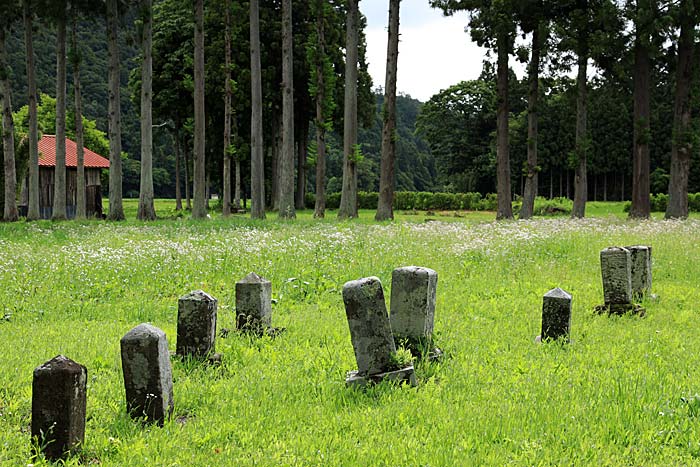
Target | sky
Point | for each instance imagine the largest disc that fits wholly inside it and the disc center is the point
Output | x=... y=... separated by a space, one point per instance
x=434 y=50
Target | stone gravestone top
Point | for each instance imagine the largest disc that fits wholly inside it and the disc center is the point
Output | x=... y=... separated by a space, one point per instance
x=253 y=303
x=196 y=324
x=413 y=292
x=59 y=396
x=616 y=269
x=641 y=270
x=556 y=314
x=147 y=373
x=370 y=332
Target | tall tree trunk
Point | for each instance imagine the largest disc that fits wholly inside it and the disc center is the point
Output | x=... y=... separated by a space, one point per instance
x=605 y=187
x=80 y=205
x=348 y=195
x=33 y=204
x=530 y=191
x=300 y=199
x=178 y=191
x=505 y=206
x=286 y=161
x=188 y=198
x=199 y=209
x=320 y=206
x=385 y=206
x=641 y=204
x=116 y=207
x=237 y=189
x=275 y=151
x=228 y=96
x=10 y=213
x=147 y=211
x=580 y=179
x=59 y=197
x=257 y=174
x=681 y=144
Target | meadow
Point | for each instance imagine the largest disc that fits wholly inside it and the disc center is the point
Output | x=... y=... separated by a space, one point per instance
x=625 y=391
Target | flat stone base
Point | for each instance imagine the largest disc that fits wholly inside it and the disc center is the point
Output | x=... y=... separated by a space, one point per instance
x=621 y=309
x=406 y=374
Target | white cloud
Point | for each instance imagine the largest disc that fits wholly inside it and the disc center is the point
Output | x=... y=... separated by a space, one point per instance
x=434 y=53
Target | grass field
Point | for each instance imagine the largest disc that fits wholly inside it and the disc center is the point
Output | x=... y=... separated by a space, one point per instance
x=624 y=392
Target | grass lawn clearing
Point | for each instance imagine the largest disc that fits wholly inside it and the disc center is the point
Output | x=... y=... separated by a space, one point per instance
x=624 y=392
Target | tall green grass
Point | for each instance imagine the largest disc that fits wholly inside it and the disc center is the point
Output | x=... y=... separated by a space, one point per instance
x=622 y=393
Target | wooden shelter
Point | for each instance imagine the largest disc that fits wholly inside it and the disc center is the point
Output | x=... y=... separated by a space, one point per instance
x=93 y=162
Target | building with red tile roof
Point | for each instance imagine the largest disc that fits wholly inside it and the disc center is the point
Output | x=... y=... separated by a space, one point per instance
x=47 y=154
x=94 y=165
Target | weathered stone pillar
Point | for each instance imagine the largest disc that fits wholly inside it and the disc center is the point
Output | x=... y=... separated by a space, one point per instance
x=196 y=325
x=641 y=270
x=556 y=315
x=58 y=406
x=253 y=304
x=147 y=374
x=370 y=332
x=616 y=270
x=413 y=291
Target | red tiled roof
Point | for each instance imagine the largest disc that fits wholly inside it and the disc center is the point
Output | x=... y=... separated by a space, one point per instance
x=47 y=154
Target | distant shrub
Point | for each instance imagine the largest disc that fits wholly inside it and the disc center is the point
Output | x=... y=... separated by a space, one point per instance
x=694 y=202
x=426 y=201
x=659 y=202
x=488 y=203
x=333 y=200
x=310 y=201
x=367 y=200
x=553 y=207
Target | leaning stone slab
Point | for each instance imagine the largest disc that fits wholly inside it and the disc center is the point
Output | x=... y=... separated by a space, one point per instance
x=556 y=315
x=59 y=392
x=641 y=270
x=370 y=332
x=253 y=304
x=196 y=325
x=413 y=291
x=616 y=269
x=147 y=374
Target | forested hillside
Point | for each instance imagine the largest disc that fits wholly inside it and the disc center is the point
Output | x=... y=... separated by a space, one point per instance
x=93 y=50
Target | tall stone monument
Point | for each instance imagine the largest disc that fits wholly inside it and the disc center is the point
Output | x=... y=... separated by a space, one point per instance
x=370 y=332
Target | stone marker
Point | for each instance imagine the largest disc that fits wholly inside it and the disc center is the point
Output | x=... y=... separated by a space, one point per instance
x=616 y=270
x=641 y=270
x=148 y=377
x=412 y=315
x=253 y=304
x=556 y=315
x=196 y=325
x=370 y=332
x=58 y=406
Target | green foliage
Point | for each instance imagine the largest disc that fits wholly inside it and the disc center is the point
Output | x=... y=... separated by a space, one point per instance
x=94 y=138
x=416 y=200
x=458 y=124
x=659 y=202
x=548 y=207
